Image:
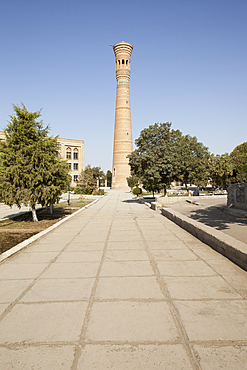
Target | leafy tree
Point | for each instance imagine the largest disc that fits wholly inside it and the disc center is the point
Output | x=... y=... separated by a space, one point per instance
x=30 y=171
x=132 y=181
x=155 y=161
x=220 y=169
x=98 y=173
x=193 y=159
x=239 y=161
x=87 y=179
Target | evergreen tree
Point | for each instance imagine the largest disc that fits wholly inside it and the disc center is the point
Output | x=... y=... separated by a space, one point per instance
x=109 y=178
x=30 y=171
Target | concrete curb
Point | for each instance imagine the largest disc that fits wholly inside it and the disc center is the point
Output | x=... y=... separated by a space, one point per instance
x=228 y=246
x=35 y=237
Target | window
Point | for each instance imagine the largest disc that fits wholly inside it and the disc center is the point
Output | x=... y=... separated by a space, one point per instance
x=75 y=154
x=119 y=62
x=68 y=153
x=126 y=62
x=122 y=61
x=69 y=164
x=75 y=178
x=75 y=166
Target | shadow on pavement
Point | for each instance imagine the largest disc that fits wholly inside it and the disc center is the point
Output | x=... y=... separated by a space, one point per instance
x=131 y=201
x=215 y=217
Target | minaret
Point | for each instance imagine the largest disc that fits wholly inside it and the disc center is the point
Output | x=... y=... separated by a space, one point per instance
x=123 y=144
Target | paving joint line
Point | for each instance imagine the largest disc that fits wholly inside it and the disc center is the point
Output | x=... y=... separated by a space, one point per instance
x=183 y=335
x=81 y=342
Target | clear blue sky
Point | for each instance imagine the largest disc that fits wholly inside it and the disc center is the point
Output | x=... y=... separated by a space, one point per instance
x=189 y=67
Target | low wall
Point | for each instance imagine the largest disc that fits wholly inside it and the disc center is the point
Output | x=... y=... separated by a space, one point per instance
x=233 y=249
x=237 y=196
x=171 y=200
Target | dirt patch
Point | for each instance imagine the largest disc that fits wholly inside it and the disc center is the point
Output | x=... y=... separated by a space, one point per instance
x=16 y=230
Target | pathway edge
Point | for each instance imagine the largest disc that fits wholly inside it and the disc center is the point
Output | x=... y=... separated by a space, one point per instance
x=35 y=237
x=225 y=244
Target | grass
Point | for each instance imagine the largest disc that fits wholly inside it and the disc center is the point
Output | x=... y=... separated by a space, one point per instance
x=16 y=230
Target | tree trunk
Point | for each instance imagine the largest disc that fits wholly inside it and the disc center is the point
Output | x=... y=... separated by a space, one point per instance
x=51 y=209
x=186 y=186
x=34 y=214
x=165 y=193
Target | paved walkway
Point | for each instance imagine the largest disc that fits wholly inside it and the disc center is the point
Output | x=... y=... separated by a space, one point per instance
x=118 y=286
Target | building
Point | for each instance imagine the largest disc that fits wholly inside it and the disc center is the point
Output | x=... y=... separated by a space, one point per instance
x=2 y=135
x=123 y=144
x=72 y=151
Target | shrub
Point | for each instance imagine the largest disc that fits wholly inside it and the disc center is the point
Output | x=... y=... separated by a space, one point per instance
x=137 y=191
x=99 y=192
x=77 y=190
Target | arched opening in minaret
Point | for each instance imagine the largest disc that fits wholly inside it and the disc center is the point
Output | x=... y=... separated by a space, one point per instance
x=122 y=61
x=126 y=62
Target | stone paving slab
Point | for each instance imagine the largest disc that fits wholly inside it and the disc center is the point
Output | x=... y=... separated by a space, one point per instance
x=123 y=321
x=128 y=288
x=144 y=357
x=71 y=270
x=61 y=321
x=37 y=357
x=11 y=289
x=119 y=286
x=51 y=290
x=227 y=357
x=214 y=320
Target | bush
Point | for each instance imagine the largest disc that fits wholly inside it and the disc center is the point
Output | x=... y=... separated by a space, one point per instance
x=77 y=190
x=82 y=190
x=99 y=192
x=137 y=191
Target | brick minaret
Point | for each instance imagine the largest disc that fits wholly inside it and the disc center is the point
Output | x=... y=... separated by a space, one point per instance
x=123 y=144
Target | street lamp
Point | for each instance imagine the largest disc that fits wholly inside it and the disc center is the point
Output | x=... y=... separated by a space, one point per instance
x=68 y=195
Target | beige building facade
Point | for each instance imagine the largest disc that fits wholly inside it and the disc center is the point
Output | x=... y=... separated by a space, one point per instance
x=123 y=143
x=73 y=152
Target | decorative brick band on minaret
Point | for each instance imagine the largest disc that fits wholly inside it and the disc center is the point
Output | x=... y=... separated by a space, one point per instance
x=123 y=144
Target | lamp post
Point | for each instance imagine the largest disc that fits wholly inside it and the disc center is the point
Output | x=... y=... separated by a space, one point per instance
x=68 y=195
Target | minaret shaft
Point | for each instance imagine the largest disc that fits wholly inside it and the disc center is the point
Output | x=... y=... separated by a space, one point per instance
x=123 y=144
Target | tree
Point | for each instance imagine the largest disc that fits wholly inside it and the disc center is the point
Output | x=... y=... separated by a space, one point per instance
x=220 y=169
x=155 y=161
x=30 y=171
x=132 y=181
x=193 y=161
x=239 y=161
x=109 y=178
x=98 y=173
x=87 y=179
